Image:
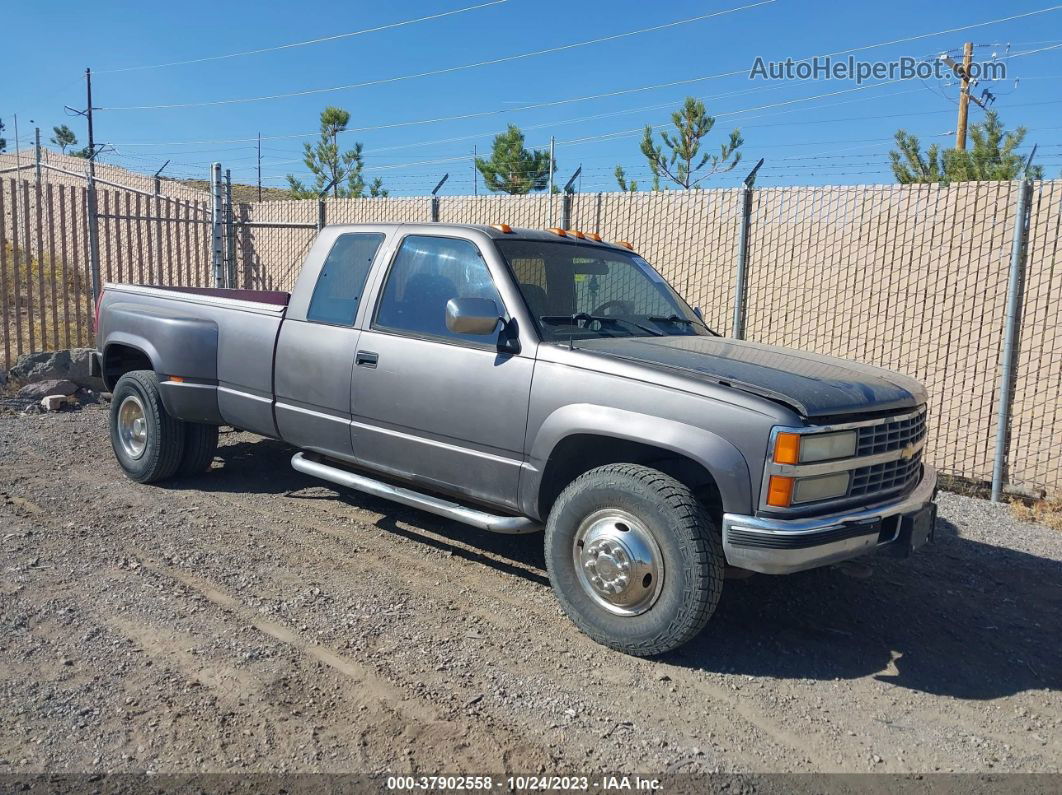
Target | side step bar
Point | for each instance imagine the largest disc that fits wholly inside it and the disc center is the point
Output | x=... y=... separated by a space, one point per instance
x=512 y=525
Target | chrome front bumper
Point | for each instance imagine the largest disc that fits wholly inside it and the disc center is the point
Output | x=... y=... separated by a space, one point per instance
x=783 y=546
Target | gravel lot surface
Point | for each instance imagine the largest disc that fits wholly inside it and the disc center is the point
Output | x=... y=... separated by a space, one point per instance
x=253 y=619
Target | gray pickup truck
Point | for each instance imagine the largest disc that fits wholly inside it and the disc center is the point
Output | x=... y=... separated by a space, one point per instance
x=519 y=380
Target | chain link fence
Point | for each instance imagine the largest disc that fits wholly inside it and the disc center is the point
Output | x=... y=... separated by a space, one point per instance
x=910 y=278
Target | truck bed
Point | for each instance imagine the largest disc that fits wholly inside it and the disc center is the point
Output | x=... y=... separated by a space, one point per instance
x=212 y=348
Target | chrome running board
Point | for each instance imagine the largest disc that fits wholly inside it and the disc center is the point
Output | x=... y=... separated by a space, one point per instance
x=512 y=525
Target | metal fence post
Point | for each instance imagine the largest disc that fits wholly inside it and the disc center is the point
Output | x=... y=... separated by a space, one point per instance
x=435 y=198
x=1012 y=324
x=215 y=224
x=737 y=329
x=92 y=219
x=230 y=234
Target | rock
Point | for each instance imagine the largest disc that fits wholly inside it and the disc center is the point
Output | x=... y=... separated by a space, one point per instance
x=43 y=389
x=71 y=365
x=53 y=402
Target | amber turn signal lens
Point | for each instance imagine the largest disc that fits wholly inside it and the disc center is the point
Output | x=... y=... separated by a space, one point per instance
x=557 y=231
x=787 y=448
x=176 y=379
x=779 y=491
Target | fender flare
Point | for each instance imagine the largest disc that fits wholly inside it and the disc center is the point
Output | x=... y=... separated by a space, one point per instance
x=131 y=341
x=722 y=460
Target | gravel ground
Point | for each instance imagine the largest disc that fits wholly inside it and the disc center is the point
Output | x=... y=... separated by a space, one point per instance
x=253 y=619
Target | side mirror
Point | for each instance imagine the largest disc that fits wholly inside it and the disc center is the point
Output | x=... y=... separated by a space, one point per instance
x=698 y=313
x=472 y=315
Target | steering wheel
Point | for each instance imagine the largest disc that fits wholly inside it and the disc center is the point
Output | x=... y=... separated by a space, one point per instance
x=624 y=307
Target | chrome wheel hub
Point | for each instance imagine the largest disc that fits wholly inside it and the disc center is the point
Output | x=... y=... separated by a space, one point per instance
x=132 y=427
x=618 y=562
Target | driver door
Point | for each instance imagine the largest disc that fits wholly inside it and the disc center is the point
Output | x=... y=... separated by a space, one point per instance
x=444 y=409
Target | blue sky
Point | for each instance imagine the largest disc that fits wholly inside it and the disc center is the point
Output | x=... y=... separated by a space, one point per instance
x=807 y=136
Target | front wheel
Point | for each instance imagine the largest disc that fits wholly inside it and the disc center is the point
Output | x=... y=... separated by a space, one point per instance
x=634 y=559
x=147 y=441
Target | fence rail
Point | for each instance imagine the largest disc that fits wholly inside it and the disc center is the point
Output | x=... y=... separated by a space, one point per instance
x=911 y=278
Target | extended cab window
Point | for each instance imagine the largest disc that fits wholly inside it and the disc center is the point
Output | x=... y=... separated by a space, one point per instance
x=342 y=280
x=426 y=274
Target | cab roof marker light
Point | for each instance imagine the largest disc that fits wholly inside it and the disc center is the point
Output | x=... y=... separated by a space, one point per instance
x=594 y=236
x=503 y=228
x=626 y=244
x=557 y=231
x=577 y=233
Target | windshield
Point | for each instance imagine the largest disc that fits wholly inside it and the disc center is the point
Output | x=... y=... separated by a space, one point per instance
x=582 y=292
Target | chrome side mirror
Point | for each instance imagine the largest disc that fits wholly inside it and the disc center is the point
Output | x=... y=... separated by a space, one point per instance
x=472 y=316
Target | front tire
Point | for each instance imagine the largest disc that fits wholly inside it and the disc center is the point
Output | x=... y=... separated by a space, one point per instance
x=634 y=559
x=147 y=441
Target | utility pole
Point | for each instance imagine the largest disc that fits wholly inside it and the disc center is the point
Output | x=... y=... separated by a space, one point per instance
x=18 y=148
x=88 y=114
x=37 y=151
x=964 y=96
x=963 y=72
x=259 y=166
x=475 y=172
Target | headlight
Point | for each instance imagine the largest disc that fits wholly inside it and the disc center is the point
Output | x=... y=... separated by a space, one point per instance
x=797 y=448
x=820 y=488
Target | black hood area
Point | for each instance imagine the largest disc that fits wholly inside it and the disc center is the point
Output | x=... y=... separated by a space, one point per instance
x=812 y=384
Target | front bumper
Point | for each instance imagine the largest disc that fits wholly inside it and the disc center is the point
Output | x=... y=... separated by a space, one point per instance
x=783 y=546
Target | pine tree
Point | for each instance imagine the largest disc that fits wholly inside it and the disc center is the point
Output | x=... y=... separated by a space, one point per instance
x=377 y=190
x=684 y=162
x=330 y=166
x=992 y=157
x=621 y=180
x=63 y=137
x=512 y=168
x=3 y=141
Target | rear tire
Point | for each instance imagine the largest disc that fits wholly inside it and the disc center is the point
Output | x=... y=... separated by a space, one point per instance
x=200 y=444
x=634 y=559
x=147 y=441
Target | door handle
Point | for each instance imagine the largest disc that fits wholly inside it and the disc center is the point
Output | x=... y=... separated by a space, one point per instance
x=366 y=359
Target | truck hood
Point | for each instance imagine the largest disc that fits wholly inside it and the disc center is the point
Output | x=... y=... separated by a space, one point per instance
x=812 y=384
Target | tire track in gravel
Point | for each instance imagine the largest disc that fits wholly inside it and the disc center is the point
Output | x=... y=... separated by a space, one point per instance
x=390 y=712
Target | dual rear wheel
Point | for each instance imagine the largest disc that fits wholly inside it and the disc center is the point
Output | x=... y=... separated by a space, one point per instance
x=149 y=444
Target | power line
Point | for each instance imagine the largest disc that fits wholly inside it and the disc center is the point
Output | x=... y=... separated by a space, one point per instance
x=612 y=93
x=447 y=70
x=259 y=51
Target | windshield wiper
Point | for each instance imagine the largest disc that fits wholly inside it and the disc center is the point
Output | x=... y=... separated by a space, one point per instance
x=574 y=320
x=685 y=321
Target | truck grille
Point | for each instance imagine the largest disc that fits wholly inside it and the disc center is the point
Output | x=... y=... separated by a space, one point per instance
x=890 y=476
x=893 y=435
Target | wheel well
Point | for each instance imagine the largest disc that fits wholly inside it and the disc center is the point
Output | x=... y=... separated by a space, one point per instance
x=120 y=359
x=580 y=453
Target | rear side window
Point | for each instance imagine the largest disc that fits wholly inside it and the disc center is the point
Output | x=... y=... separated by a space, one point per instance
x=427 y=272
x=342 y=281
